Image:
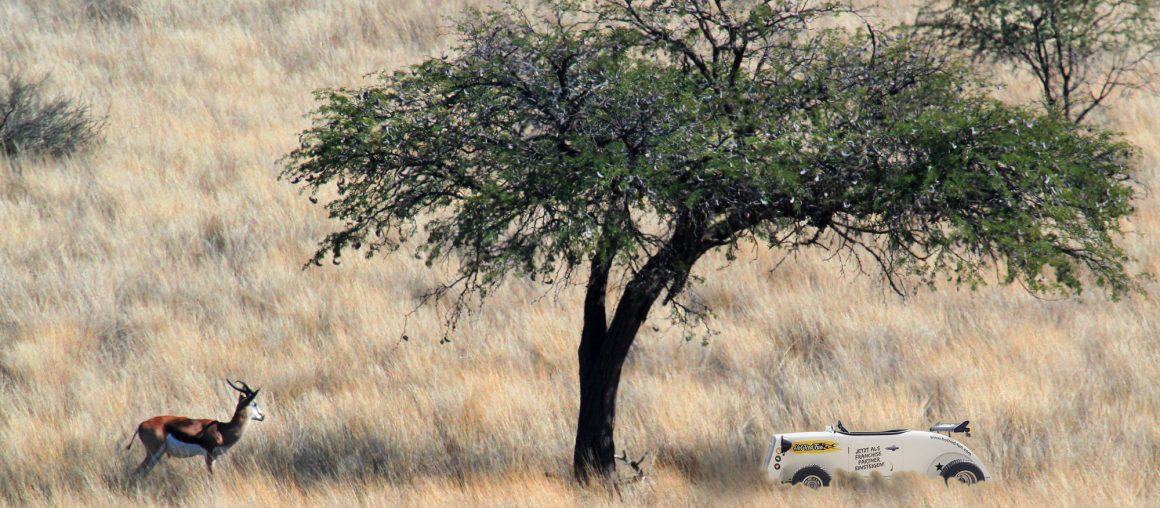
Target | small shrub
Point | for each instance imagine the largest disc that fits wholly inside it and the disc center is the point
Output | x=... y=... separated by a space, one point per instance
x=33 y=123
x=110 y=11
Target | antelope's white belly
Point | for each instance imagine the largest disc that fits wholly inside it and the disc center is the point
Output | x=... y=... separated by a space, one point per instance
x=182 y=449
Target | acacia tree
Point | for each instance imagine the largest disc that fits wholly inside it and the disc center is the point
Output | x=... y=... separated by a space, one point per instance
x=614 y=147
x=1080 y=51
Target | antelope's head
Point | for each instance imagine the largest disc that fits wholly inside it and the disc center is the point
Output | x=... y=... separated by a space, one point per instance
x=246 y=403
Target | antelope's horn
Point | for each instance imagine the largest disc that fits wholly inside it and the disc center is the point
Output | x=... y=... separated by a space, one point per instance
x=236 y=387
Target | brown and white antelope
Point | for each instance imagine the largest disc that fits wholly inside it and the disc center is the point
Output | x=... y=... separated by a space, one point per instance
x=183 y=437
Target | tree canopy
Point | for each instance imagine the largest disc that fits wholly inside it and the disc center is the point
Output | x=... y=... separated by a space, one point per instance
x=580 y=143
x=1080 y=51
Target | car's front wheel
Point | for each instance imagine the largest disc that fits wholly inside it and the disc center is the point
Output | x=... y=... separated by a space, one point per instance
x=813 y=477
x=962 y=471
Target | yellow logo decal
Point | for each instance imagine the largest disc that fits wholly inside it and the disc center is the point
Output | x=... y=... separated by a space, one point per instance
x=814 y=447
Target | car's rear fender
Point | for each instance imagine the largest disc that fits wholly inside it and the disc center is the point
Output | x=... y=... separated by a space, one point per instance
x=958 y=452
x=936 y=467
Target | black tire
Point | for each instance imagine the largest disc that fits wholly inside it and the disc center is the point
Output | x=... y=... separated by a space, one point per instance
x=812 y=477
x=962 y=471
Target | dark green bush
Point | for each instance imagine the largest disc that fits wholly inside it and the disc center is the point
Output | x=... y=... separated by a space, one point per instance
x=34 y=123
x=117 y=12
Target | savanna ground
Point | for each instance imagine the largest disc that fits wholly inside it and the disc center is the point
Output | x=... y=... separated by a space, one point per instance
x=134 y=279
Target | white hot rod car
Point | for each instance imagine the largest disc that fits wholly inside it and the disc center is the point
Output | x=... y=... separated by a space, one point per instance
x=811 y=458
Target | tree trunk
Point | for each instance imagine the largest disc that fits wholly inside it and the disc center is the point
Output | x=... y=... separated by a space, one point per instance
x=602 y=354
x=593 y=455
x=595 y=449
x=593 y=452
x=603 y=348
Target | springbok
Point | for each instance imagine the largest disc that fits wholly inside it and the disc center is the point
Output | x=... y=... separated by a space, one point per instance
x=183 y=437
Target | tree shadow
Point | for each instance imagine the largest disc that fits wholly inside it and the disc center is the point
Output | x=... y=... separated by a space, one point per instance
x=336 y=458
x=721 y=467
x=163 y=484
x=342 y=458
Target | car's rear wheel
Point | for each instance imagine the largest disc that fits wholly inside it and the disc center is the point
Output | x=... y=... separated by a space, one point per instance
x=813 y=477
x=962 y=471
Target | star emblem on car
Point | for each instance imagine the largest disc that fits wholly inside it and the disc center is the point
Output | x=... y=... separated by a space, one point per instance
x=938 y=467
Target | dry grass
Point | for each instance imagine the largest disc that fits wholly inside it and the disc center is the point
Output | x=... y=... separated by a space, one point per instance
x=134 y=280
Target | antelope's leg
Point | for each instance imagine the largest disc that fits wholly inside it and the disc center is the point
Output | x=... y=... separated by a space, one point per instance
x=209 y=459
x=152 y=457
x=145 y=465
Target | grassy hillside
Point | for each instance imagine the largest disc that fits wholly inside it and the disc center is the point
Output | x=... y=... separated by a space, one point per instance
x=135 y=279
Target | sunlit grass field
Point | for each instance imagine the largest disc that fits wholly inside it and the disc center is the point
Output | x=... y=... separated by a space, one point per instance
x=136 y=278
